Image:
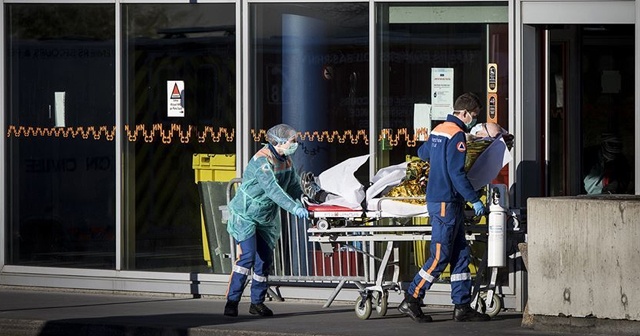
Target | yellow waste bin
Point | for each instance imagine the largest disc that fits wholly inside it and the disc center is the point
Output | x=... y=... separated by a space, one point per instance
x=214 y=167
x=212 y=174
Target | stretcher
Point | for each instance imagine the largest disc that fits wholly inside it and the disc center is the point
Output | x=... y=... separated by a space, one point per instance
x=332 y=225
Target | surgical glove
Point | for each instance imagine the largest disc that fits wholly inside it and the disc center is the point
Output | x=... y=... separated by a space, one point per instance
x=478 y=207
x=301 y=213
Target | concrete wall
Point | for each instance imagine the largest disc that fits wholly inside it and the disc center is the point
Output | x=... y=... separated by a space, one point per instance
x=584 y=256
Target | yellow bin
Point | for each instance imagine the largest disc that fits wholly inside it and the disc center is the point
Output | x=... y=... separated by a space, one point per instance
x=214 y=167
x=217 y=168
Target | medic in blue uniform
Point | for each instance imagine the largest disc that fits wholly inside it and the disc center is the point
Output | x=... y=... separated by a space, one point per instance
x=447 y=191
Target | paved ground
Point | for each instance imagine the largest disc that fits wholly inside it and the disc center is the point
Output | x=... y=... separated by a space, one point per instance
x=50 y=312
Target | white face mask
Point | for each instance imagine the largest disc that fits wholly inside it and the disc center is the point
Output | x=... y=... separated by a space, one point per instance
x=478 y=130
x=292 y=149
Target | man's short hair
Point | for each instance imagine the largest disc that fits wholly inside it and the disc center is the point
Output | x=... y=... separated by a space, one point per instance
x=468 y=101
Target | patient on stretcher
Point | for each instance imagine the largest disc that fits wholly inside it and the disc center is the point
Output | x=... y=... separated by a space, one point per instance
x=489 y=131
x=479 y=139
x=417 y=174
x=407 y=179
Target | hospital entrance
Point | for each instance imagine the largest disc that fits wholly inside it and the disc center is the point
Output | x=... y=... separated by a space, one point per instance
x=585 y=120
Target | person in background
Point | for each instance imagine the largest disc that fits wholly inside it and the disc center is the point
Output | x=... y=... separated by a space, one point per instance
x=268 y=184
x=447 y=191
x=609 y=171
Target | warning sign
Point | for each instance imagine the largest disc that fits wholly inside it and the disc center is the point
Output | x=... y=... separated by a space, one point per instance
x=175 y=98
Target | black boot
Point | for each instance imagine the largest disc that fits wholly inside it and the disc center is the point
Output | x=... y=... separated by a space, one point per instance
x=410 y=306
x=231 y=308
x=311 y=189
x=260 y=309
x=464 y=313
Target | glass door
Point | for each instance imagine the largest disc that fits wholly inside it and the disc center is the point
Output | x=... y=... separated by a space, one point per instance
x=556 y=112
x=588 y=129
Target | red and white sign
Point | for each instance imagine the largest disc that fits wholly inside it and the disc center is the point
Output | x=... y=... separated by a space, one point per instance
x=175 y=98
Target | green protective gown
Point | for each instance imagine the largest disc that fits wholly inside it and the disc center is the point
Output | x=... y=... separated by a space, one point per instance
x=268 y=184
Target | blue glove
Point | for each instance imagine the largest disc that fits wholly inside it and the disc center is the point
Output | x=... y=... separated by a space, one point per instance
x=301 y=213
x=478 y=207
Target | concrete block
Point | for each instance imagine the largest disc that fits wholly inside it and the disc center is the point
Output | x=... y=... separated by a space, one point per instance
x=584 y=256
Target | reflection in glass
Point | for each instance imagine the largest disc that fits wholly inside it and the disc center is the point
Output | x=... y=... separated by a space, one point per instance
x=607 y=108
x=416 y=39
x=179 y=100
x=60 y=174
x=309 y=68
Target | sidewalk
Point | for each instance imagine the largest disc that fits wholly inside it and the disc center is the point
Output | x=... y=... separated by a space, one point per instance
x=47 y=312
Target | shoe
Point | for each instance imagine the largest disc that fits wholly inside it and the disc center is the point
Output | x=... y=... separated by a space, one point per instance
x=231 y=308
x=411 y=307
x=260 y=309
x=464 y=313
x=311 y=189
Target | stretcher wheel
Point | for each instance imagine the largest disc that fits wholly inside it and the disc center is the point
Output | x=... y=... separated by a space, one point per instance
x=322 y=224
x=363 y=309
x=493 y=309
x=381 y=300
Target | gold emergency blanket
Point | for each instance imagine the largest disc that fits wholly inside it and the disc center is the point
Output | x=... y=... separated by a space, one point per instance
x=414 y=184
x=474 y=149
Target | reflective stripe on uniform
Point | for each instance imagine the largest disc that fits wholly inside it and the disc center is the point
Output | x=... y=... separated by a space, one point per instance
x=460 y=277
x=442 y=134
x=416 y=292
x=259 y=278
x=426 y=275
x=241 y=270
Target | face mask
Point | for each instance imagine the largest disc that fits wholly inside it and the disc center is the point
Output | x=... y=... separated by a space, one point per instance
x=292 y=149
x=477 y=129
x=471 y=123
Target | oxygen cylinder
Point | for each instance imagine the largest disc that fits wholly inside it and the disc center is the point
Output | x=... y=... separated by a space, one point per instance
x=497 y=254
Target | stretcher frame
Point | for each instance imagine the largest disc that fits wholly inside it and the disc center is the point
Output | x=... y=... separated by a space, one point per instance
x=375 y=296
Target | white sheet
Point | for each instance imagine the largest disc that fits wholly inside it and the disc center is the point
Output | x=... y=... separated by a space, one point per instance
x=392 y=208
x=340 y=181
x=386 y=177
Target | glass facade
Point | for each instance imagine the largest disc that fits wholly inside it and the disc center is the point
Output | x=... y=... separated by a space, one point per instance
x=309 y=68
x=160 y=90
x=60 y=153
x=421 y=43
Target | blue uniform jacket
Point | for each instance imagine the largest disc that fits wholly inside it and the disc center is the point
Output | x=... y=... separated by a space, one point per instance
x=445 y=150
